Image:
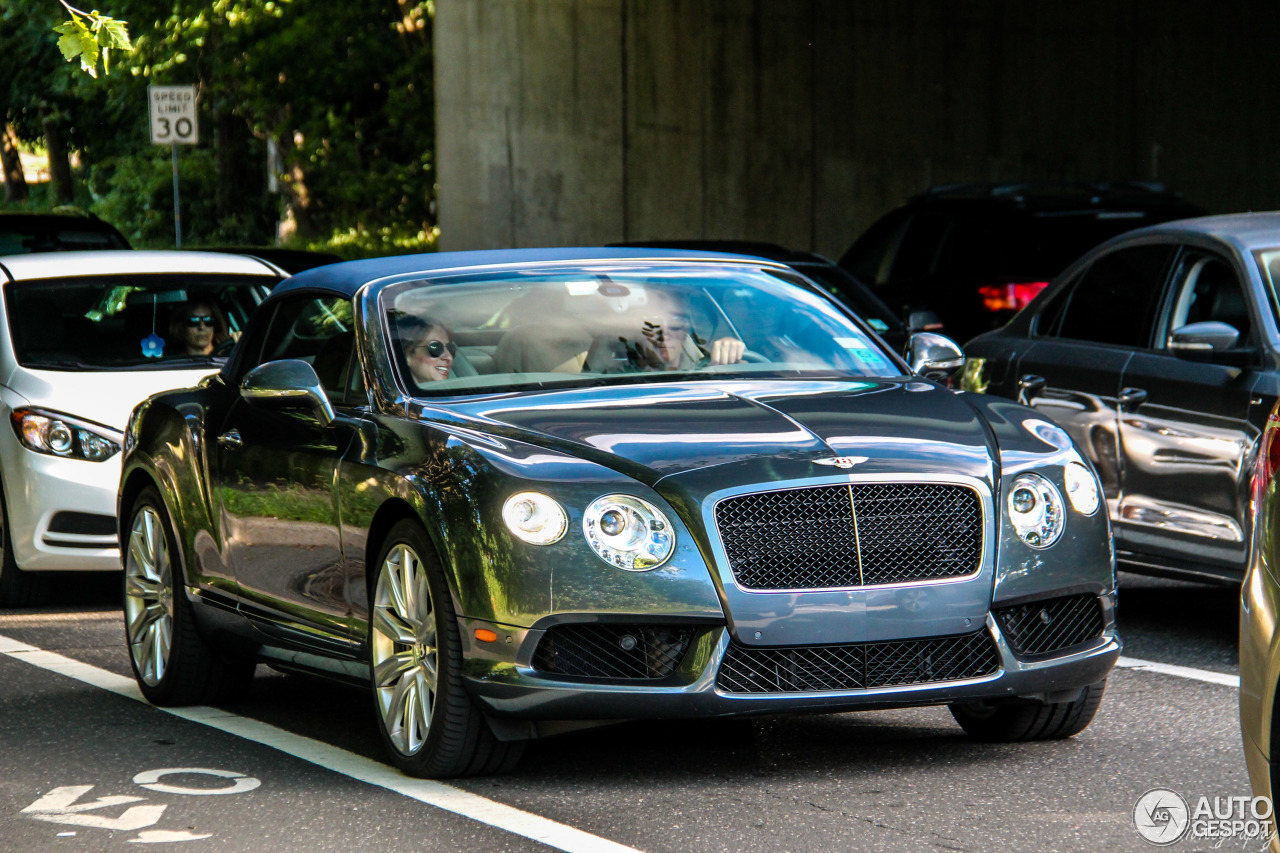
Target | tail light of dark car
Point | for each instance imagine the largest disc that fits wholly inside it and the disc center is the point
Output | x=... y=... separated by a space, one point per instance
x=1268 y=460
x=1013 y=296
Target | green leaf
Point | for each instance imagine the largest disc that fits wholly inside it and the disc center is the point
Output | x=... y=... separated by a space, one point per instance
x=113 y=34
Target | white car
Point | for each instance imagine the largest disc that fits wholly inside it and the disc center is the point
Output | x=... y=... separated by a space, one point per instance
x=84 y=337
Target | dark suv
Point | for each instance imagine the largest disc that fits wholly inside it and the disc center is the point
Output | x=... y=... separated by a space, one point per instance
x=977 y=253
x=23 y=233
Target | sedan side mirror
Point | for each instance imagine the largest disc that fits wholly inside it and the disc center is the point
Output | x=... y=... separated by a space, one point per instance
x=1211 y=340
x=934 y=356
x=287 y=384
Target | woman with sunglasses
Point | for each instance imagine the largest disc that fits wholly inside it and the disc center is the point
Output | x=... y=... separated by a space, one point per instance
x=428 y=348
x=197 y=327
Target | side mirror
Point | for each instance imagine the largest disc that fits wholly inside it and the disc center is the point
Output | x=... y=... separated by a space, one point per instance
x=934 y=356
x=1211 y=340
x=287 y=384
x=923 y=321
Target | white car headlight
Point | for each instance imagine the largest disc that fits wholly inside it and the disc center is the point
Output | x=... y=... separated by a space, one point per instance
x=535 y=518
x=1082 y=488
x=1036 y=510
x=55 y=435
x=628 y=532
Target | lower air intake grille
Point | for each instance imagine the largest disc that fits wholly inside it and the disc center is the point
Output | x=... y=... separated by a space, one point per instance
x=612 y=651
x=857 y=666
x=1040 y=627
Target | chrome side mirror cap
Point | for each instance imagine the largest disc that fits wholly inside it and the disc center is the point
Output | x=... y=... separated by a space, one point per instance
x=288 y=384
x=934 y=356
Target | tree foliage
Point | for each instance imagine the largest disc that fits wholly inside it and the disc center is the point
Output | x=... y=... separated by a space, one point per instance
x=89 y=36
x=341 y=89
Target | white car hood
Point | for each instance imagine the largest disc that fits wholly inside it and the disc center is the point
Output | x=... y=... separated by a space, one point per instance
x=104 y=397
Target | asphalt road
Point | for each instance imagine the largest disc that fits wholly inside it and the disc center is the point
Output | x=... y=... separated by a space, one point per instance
x=298 y=766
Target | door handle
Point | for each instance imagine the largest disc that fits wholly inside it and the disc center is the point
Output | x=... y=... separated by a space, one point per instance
x=1131 y=398
x=231 y=440
x=1029 y=385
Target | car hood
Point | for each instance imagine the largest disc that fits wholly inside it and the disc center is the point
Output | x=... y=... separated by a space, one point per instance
x=697 y=438
x=104 y=397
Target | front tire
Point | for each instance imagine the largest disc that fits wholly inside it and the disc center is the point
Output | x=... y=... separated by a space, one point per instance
x=172 y=663
x=428 y=724
x=1029 y=720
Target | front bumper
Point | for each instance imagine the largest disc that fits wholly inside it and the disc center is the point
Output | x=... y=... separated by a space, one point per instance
x=515 y=690
x=49 y=499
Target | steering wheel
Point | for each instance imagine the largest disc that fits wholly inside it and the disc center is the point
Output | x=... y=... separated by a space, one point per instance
x=224 y=349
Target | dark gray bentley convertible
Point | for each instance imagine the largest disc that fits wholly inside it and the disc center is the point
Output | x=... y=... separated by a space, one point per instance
x=520 y=492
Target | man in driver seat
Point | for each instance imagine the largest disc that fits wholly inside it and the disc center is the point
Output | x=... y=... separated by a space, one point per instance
x=659 y=336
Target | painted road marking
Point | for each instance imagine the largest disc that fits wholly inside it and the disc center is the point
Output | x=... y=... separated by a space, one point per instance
x=438 y=794
x=1205 y=675
x=39 y=618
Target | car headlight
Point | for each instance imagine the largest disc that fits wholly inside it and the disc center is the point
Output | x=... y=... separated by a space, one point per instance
x=628 y=532
x=535 y=518
x=1082 y=488
x=1036 y=510
x=57 y=435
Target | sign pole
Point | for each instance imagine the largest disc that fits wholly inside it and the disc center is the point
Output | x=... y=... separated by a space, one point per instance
x=177 y=213
x=173 y=123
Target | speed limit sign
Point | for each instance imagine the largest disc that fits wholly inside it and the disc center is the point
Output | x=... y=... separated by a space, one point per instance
x=173 y=115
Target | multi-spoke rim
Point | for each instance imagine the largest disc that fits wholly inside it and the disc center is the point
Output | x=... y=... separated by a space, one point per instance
x=404 y=649
x=148 y=596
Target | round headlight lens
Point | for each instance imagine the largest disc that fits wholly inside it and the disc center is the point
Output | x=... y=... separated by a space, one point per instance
x=628 y=532
x=1036 y=510
x=59 y=437
x=535 y=518
x=1082 y=488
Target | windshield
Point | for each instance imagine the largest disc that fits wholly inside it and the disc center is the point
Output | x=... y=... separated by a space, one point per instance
x=130 y=322
x=20 y=240
x=621 y=323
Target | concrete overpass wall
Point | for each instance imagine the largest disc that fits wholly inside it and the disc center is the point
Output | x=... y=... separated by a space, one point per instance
x=564 y=122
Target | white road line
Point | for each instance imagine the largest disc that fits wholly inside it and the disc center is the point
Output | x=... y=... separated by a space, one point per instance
x=1180 y=671
x=37 y=618
x=349 y=764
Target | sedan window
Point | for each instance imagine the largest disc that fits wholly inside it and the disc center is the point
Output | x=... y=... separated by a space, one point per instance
x=1116 y=299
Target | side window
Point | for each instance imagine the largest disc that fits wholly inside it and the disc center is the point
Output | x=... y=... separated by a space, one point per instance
x=918 y=252
x=317 y=330
x=1116 y=300
x=1206 y=288
x=871 y=256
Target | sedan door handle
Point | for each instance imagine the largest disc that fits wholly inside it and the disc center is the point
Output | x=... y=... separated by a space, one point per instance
x=1131 y=398
x=1029 y=385
x=231 y=440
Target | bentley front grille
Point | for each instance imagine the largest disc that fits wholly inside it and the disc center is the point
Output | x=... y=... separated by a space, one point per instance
x=860 y=534
x=857 y=666
x=612 y=651
x=1042 y=627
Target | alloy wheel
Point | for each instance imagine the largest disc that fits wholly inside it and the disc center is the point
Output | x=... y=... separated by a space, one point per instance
x=404 y=647
x=149 y=596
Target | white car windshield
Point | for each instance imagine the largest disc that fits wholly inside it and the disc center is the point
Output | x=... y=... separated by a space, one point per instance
x=625 y=322
x=134 y=322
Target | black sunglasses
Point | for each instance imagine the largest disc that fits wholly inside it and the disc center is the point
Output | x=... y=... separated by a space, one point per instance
x=198 y=319
x=435 y=349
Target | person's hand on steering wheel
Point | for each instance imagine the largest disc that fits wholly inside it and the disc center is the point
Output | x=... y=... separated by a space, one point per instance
x=726 y=351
